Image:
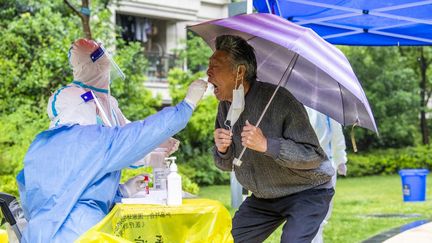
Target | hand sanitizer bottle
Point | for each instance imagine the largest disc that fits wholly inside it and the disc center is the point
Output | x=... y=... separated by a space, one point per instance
x=174 y=194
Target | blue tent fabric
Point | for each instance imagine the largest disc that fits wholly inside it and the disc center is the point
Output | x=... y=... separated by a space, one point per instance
x=359 y=22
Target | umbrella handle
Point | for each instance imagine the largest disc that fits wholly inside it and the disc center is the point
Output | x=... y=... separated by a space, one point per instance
x=237 y=161
x=354 y=144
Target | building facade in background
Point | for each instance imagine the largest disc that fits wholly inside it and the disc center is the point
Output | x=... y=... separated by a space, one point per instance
x=160 y=25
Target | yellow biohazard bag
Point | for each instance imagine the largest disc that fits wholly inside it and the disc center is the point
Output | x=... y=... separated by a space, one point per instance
x=196 y=220
x=3 y=236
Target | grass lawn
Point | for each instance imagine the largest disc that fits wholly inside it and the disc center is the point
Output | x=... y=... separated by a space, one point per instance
x=359 y=207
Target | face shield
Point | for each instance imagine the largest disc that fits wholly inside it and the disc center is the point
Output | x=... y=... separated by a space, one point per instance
x=114 y=70
x=93 y=65
x=94 y=70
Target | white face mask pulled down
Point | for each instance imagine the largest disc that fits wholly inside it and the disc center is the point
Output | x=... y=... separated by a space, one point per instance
x=237 y=104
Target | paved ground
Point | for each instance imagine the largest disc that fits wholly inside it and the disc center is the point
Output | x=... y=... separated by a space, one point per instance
x=418 y=232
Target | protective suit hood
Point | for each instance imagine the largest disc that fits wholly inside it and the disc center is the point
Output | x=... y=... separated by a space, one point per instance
x=93 y=71
x=71 y=105
x=92 y=65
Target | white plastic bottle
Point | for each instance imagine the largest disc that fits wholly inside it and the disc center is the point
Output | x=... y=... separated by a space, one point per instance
x=160 y=172
x=174 y=194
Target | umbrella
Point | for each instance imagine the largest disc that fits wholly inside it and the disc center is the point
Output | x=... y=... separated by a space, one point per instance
x=296 y=58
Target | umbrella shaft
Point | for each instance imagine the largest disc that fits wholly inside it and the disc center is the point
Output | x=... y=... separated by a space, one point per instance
x=289 y=69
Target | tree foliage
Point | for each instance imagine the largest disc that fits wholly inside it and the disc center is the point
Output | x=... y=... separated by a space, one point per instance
x=36 y=37
x=391 y=88
x=420 y=60
x=196 y=53
x=195 y=153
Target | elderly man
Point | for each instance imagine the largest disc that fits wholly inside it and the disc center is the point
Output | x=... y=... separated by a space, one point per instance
x=284 y=167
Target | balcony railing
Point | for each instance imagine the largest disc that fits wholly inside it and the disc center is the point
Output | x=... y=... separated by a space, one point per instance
x=159 y=65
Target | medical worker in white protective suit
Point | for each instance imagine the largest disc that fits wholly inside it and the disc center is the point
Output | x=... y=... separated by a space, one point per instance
x=331 y=138
x=71 y=172
x=94 y=75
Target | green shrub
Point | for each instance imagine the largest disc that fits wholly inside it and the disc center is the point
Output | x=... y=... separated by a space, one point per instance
x=389 y=161
x=384 y=71
x=17 y=131
x=9 y=185
x=202 y=170
x=195 y=152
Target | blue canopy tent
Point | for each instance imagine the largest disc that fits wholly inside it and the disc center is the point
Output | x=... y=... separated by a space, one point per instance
x=359 y=22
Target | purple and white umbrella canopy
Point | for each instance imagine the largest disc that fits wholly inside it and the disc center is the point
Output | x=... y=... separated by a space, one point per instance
x=321 y=78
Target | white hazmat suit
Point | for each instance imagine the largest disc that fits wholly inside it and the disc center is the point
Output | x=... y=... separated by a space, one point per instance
x=331 y=138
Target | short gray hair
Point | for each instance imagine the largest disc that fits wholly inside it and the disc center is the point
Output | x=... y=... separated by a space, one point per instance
x=241 y=53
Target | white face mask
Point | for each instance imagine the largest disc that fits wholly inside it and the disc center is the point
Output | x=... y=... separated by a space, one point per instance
x=237 y=104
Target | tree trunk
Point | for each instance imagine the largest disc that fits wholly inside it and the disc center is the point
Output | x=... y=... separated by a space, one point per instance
x=423 y=97
x=86 y=20
x=84 y=16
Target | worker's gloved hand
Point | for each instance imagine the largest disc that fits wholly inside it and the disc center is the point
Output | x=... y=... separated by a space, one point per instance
x=157 y=156
x=342 y=169
x=170 y=146
x=132 y=186
x=195 y=92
